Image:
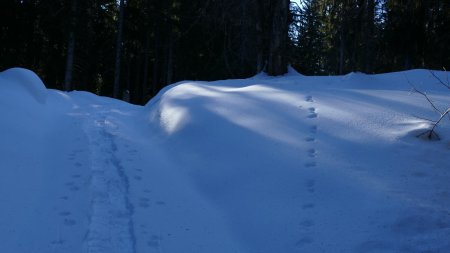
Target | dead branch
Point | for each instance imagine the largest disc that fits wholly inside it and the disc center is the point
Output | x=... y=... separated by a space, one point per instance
x=431 y=134
x=414 y=89
x=440 y=80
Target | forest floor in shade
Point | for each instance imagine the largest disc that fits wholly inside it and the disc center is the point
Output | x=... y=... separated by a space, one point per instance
x=265 y=164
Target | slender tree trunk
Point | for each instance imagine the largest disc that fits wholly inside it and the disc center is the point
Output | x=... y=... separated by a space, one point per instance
x=341 y=53
x=169 y=61
x=70 y=49
x=145 y=87
x=369 y=35
x=155 y=79
x=279 y=40
x=118 y=50
x=259 y=36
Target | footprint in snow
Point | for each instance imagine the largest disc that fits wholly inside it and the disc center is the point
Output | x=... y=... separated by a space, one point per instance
x=310 y=185
x=70 y=222
x=307 y=223
x=312 y=152
x=75 y=188
x=310 y=164
x=309 y=99
x=154 y=241
x=153 y=244
x=312 y=115
x=64 y=213
x=70 y=183
x=308 y=206
x=57 y=242
x=304 y=241
x=144 y=202
x=313 y=129
x=310 y=139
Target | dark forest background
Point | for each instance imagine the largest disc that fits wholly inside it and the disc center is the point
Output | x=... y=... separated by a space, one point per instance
x=131 y=49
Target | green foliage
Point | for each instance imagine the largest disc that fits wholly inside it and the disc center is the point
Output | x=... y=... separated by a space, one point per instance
x=336 y=37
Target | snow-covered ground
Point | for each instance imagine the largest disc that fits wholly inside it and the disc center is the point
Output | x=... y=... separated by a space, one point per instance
x=287 y=164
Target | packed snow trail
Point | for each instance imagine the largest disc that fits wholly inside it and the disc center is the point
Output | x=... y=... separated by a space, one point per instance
x=111 y=227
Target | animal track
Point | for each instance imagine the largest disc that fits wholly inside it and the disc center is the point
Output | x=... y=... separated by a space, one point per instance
x=309 y=99
x=307 y=223
x=310 y=139
x=64 y=213
x=70 y=222
x=58 y=242
x=308 y=206
x=304 y=241
x=74 y=188
x=310 y=183
x=312 y=152
x=310 y=164
x=144 y=202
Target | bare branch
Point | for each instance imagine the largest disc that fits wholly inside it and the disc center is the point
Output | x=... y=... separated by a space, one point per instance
x=426 y=96
x=422 y=118
x=431 y=134
x=440 y=80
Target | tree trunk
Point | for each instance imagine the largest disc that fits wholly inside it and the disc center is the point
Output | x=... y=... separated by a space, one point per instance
x=118 y=50
x=70 y=49
x=169 y=67
x=155 y=78
x=341 y=53
x=369 y=35
x=277 y=64
x=259 y=36
x=145 y=87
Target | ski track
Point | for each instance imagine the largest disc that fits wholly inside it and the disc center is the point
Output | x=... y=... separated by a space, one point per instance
x=111 y=227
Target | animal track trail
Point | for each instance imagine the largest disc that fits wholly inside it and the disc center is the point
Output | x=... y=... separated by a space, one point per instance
x=311 y=152
x=308 y=207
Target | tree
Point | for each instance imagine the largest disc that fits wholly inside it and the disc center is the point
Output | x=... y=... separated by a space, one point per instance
x=277 y=62
x=70 y=48
x=119 y=41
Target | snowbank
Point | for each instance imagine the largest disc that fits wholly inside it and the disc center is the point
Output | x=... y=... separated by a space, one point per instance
x=310 y=164
x=266 y=164
x=23 y=80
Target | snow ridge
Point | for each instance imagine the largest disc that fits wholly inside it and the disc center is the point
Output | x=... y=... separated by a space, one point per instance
x=111 y=226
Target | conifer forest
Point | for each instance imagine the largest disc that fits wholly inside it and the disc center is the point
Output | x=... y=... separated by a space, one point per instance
x=130 y=49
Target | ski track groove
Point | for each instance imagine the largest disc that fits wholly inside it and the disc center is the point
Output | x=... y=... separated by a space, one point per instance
x=111 y=228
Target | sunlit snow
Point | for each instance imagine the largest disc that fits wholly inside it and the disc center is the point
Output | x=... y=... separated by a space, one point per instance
x=265 y=164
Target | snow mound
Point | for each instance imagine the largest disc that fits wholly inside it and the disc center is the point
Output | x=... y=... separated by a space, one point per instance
x=24 y=80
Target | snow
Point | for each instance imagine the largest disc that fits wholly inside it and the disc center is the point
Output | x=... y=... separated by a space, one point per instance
x=266 y=164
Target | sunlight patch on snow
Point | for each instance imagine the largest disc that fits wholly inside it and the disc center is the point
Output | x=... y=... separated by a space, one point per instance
x=173 y=117
x=260 y=125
